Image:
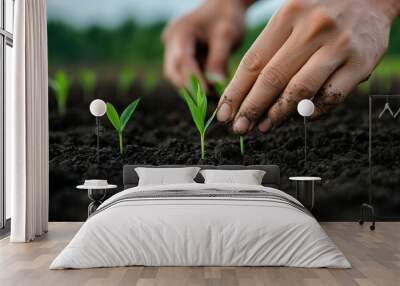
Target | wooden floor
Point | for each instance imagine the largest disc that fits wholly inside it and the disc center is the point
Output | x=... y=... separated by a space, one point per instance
x=375 y=257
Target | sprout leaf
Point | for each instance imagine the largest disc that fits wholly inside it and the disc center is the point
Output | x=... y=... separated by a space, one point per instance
x=196 y=100
x=60 y=85
x=127 y=113
x=118 y=122
x=113 y=116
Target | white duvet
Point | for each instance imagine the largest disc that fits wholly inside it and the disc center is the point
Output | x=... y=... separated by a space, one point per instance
x=200 y=231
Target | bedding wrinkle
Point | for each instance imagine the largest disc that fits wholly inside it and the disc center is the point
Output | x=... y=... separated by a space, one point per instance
x=101 y=248
x=318 y=249
x=180 y=243
x=161 y=245
x=97 y=250
x=114 y=243
x=157 y=239
x=260 y=246
x=293 y=238
x=229 y=237
x=142 y=240
x=212 y=239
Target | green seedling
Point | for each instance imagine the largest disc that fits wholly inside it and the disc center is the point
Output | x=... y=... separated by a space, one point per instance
x=125 y=80
x=196 y=100
x=241 y=139
x=118 y=122
x=87 y=78
x=219 y=88
x=60 y=85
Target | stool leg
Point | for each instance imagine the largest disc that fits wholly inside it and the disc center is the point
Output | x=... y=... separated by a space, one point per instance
x=364 y=208
x=312 y=194
x=361 y=221
x=372 y=226
x=96 y=198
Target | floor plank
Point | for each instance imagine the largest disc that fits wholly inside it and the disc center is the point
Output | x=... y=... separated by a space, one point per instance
x=375 y=257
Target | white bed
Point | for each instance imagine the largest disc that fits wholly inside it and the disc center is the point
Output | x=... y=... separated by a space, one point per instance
x=185 y=230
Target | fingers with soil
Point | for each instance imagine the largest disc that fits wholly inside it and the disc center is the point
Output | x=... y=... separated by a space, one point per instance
x=303 y=85
x=272 y=80
x=260 y=53
x=335 y=90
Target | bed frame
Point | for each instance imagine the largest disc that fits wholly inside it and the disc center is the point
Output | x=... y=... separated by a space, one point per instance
x=272 y=177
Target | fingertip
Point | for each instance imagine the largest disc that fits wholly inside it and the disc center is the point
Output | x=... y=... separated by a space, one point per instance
x=224 y=113
x=265 y=125
x=242 y=125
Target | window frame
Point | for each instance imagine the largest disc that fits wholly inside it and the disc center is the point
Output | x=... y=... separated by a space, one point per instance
x=6 y=39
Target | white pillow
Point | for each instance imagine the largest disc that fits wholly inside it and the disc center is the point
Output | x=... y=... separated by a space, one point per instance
x=248 y=177
x=164 y=176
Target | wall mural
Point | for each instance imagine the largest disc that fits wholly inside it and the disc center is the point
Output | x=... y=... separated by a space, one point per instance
x=122 y=65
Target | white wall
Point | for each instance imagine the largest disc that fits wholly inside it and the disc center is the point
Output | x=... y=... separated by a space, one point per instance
x=8 y=85
x=9 y=10
x=9 y=26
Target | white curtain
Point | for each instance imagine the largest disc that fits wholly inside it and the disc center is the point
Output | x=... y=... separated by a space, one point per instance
x=27 y=124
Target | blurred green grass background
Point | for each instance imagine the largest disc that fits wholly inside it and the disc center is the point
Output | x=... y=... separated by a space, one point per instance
x=131 y=46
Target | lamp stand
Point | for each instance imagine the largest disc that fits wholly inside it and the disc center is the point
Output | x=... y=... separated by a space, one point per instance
x=305 y=140
x=98 y=140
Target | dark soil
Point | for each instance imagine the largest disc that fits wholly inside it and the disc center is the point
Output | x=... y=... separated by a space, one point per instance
x=161 y=132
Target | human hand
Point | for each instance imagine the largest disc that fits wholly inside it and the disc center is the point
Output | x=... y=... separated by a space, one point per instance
x=309 y=49
x=219 y=24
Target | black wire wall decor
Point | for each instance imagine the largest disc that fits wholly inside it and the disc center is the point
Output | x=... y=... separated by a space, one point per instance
x=388 y=110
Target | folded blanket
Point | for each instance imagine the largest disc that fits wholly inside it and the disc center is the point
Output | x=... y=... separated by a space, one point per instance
x=206 y=194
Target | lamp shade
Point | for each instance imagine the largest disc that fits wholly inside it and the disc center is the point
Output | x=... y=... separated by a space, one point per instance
x=98 y=107
x=305 y=107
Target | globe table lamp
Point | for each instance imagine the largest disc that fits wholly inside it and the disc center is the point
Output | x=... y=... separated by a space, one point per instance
x=98 y=108
x=305 y=108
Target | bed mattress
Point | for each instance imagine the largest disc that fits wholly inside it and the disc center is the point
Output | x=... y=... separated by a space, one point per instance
x=201 y=225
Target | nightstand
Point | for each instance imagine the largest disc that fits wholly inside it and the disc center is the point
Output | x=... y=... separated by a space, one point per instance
x=96 y=195
x=305 y=190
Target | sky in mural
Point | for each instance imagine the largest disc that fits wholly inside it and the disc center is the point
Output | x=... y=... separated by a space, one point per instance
x=111 y=13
